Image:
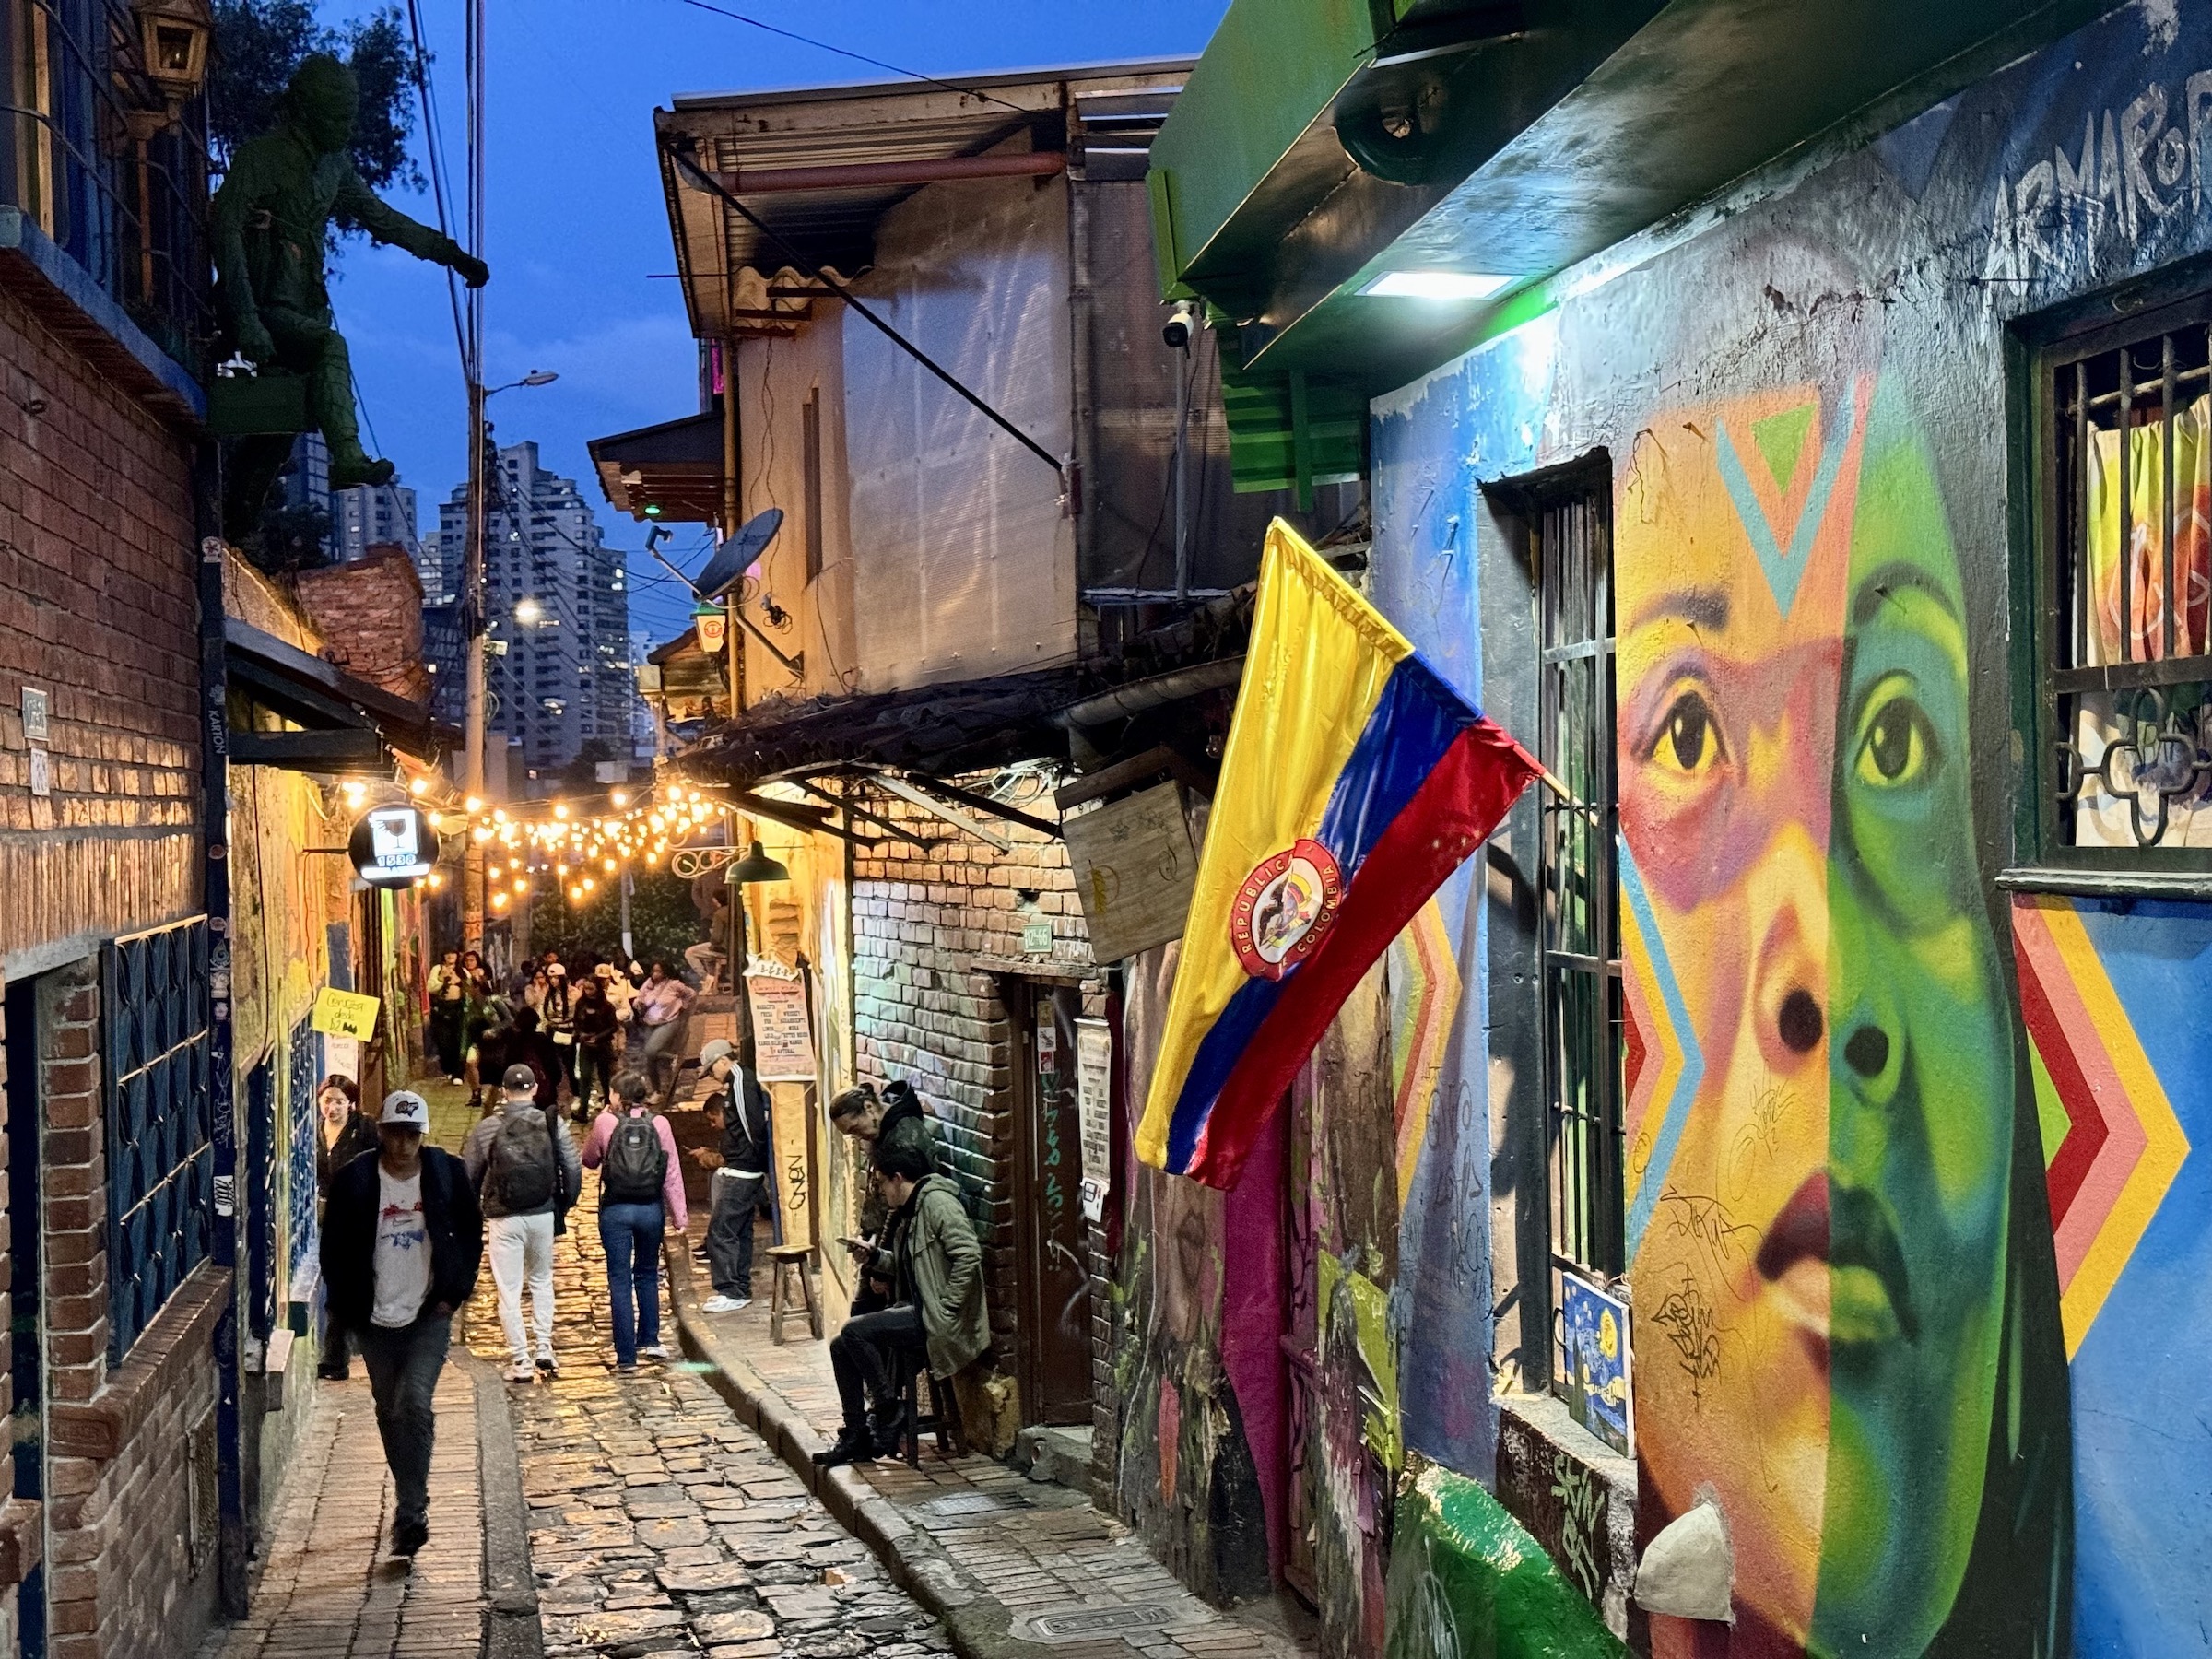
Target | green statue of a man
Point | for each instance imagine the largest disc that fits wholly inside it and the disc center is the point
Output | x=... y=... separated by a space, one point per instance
x=269 y=221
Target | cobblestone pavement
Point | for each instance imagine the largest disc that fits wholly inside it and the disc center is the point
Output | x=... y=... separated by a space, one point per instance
x=658 y=1524
x=1007 y=1560
x=328 y=1590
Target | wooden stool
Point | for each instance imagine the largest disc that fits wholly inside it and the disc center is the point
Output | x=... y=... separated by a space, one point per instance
x=939 y=1418
x=788 y=1262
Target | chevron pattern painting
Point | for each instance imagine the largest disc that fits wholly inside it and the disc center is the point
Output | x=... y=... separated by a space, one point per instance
x=2111 y=1164
x=1424 y=1000
x=1664 y=1065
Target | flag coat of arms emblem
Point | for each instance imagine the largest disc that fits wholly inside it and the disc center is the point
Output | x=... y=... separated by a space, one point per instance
x=1355 y=781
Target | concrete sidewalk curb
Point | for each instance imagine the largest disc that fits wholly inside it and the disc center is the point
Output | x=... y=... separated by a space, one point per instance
x=512 y=1630
x=978 y=1623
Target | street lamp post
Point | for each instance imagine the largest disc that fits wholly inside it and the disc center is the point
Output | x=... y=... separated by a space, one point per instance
x=476 y=625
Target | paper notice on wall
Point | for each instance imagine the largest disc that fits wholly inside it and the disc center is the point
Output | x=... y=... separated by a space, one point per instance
x=341 y=1056
x=1094 y=1102
x=1134 y=868
x=783 y=1036
x=346 y=1014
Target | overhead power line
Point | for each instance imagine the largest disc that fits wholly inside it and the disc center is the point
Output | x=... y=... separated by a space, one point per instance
x=858 y=57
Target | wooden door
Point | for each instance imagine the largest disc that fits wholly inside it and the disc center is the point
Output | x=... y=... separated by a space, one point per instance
x=1054 y=1276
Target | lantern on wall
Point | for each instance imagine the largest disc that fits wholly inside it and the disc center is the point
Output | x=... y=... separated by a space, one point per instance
x=713 y=625
x=172 y=41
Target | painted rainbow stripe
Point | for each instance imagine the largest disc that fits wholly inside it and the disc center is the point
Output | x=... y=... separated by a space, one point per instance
x=1666 y=1066
x=1425 y=988
x=2122 y=1145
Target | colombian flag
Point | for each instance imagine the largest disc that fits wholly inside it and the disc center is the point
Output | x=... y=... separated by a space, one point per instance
x=1354 y=781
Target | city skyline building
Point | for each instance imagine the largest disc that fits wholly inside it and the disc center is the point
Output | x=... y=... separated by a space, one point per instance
x=557 y=598
x=376 y=515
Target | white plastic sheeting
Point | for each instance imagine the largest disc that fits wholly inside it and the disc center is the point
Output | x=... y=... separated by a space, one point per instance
x=963 y=556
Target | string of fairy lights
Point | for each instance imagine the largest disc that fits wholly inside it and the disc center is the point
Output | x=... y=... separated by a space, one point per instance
x=554 y=846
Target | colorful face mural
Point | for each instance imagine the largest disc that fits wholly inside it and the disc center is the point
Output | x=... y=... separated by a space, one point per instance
x=1822 y=1143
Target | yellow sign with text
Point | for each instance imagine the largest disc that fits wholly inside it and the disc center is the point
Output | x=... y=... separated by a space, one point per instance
x=346 y=1014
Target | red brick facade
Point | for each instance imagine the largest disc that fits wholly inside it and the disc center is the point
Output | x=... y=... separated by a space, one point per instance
x=97 y=609
x=369 y=614
x=922 y=1012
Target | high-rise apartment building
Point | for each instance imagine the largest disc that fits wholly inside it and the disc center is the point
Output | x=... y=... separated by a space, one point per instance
x=376 y=515
x=558 y=597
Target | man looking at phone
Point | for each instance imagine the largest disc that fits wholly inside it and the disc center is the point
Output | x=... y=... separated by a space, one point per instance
x=896 y=1118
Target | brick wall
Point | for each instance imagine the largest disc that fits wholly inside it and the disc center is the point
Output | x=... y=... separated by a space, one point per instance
x=98 y=608
x=130 y=1564
x=920 y=919
x=370 y=612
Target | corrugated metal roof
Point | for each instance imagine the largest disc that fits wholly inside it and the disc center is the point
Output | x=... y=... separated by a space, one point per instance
x=1103 y=116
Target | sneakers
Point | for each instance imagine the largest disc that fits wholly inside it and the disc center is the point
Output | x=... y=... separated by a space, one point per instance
x=524 y=1372
x=719 y=1303
x=408 y=1536
x=333 y=1374
x=654 y=1350
x=626 y=1370
x=550 y=1366
x=853 y=1445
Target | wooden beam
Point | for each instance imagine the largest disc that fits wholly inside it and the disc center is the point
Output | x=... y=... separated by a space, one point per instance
x=983 y=804
x=1127 y=774
x=859 y=811
x=915 y=797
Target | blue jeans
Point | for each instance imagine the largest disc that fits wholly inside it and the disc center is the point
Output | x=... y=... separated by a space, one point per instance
x=630 y=1234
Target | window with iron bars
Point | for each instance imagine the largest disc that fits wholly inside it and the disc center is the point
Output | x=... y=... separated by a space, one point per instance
x=2124 y=597
x=89 y=156
x=1578 y=938
x=156 y=1044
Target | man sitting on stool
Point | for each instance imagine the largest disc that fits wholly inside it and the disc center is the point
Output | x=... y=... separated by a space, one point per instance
x=936 y=1269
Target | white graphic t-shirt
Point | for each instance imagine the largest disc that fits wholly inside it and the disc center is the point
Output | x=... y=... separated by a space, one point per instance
x=402 y=1251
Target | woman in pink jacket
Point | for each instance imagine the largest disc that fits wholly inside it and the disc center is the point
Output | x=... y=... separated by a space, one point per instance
x=640 y=1193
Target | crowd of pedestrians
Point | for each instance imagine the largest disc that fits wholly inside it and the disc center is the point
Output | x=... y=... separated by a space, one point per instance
x=406 y=1225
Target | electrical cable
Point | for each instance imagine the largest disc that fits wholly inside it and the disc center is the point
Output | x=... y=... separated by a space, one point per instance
x=858 y=57
x=680 y=151
x=434 y=144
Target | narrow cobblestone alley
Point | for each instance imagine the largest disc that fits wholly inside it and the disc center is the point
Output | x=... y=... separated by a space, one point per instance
x=656 y=1522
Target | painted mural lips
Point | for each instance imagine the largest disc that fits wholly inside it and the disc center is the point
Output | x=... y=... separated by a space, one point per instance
x=1849 y=1229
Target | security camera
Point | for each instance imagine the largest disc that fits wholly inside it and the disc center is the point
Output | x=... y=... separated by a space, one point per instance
x=1183 y=321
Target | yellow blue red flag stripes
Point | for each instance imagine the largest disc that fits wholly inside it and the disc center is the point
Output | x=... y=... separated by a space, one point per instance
x=1354 y=781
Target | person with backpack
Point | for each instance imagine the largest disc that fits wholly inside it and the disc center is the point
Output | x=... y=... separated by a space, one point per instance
x=402 y=1240
x=641 y=1195
x=523 y=1162
x=739 y=1109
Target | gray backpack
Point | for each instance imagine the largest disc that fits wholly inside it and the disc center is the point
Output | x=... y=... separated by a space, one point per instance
x=523 y=1173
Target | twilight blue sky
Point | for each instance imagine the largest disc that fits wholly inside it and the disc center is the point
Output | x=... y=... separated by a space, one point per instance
x=575 y=227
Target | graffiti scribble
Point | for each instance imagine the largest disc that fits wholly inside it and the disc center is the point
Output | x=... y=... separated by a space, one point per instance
x=1582 y=1518
x=1727 y=1241
x=1687 y=1317
x=1757 y=1140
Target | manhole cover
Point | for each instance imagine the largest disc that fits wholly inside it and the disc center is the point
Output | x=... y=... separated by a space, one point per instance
x=1084 y=1623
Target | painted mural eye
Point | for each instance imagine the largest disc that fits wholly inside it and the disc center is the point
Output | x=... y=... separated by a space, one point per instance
x=1689 y=737
x=1897 y=741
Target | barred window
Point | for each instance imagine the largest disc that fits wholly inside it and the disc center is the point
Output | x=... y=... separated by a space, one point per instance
x=2124 y=596
x=1579 y=938
x=157 y=1049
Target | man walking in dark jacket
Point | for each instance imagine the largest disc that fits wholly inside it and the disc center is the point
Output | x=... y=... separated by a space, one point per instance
x=402 y=1238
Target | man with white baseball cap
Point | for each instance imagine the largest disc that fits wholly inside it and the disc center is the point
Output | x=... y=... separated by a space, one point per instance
x=402 y=1238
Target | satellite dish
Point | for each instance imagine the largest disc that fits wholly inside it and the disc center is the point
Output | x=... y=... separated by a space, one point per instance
x=736 y=555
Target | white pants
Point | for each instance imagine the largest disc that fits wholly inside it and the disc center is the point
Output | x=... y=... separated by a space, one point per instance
x=522 y=1249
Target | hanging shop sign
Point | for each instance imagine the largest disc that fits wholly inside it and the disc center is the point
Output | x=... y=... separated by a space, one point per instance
x=713 y=625
x=392 y=847
x=1134 y=870
x=783 y=1040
